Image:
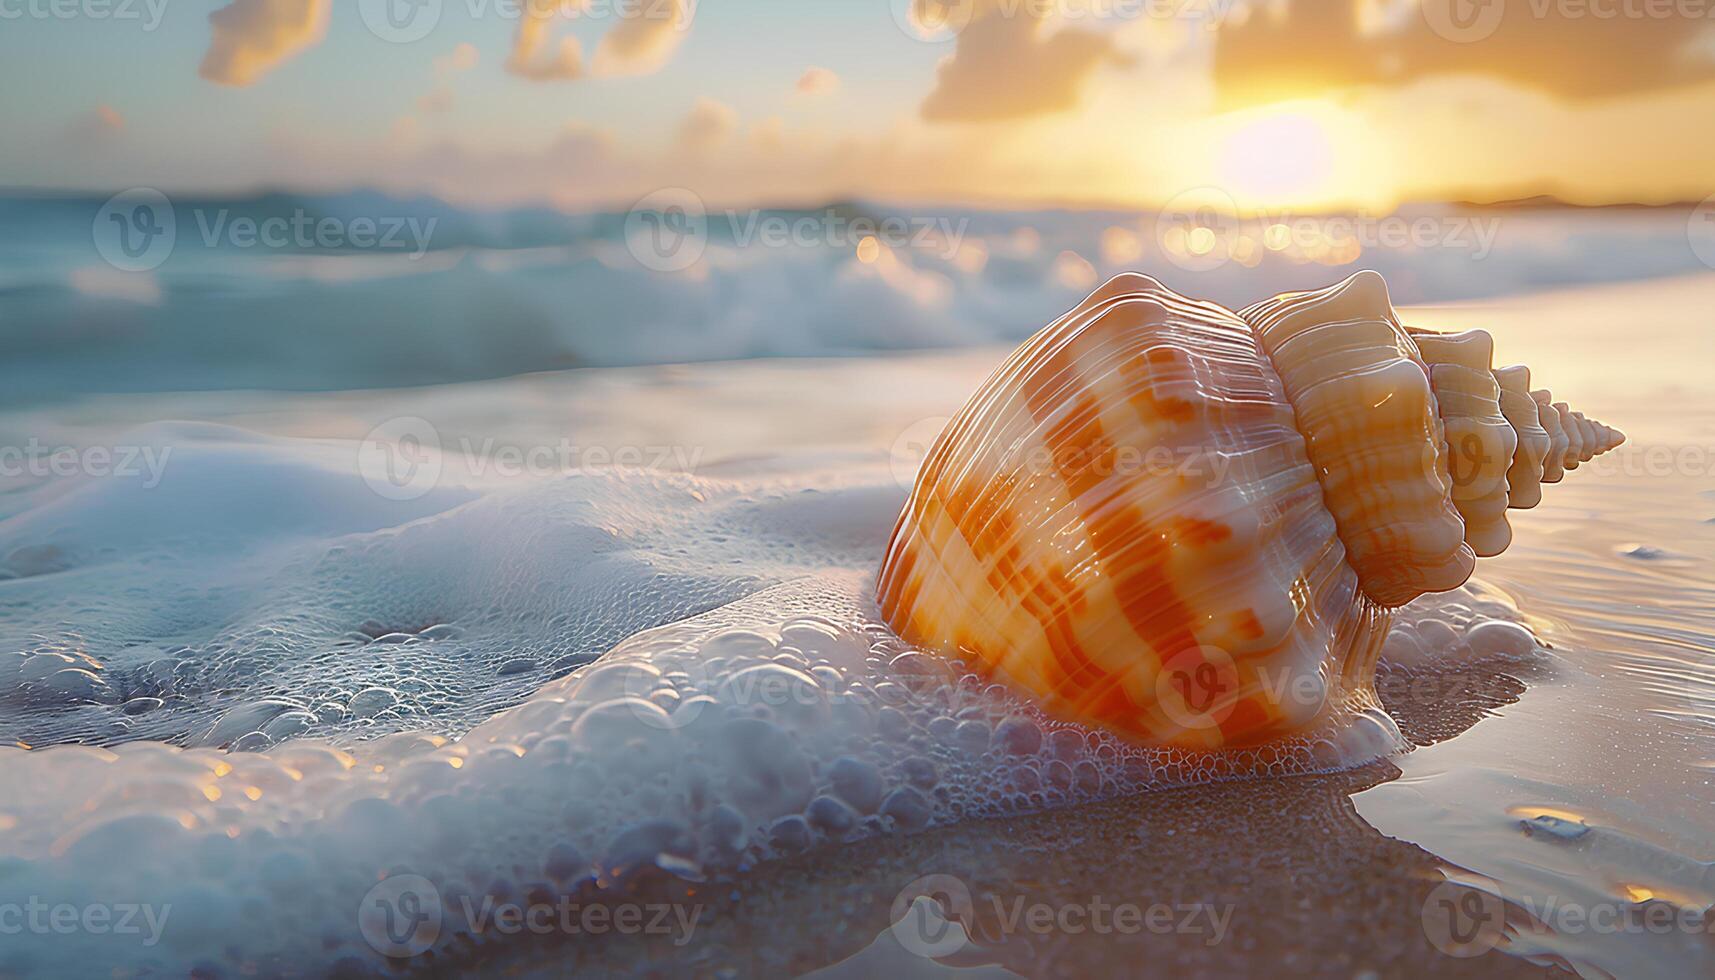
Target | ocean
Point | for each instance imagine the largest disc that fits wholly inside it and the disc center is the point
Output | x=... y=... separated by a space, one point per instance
x=351 y=597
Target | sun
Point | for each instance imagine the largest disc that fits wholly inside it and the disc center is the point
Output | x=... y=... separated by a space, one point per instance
x=1280 y=158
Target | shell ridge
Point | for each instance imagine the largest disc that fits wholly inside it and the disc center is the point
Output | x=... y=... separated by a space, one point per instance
x=1036 y=434
x=1373 y=431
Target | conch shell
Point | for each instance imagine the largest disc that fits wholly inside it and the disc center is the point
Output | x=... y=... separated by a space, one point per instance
x=1188 y=525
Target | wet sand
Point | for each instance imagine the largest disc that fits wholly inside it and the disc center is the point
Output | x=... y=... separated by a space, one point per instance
x=1303 y=884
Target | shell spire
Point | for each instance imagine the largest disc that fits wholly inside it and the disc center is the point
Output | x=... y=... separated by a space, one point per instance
x=1364 y=401
x=1500 y=437
x=1574 y=439
x=1160 y=516
x=1482 y=443
x=1525 y=475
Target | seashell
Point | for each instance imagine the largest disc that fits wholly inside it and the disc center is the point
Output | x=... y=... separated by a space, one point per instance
x=1576 y=436
x=1189 y=525
x=1364 y=402
x=1554 y=464
x=1525 y=475
x=1481 y=441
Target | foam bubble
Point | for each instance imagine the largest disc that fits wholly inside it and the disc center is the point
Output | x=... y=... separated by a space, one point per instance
x=786 y=720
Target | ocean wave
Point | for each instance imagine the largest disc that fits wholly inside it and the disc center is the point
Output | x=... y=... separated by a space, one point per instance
x=492 y=295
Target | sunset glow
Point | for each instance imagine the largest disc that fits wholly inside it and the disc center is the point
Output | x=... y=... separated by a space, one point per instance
x=1283 y=105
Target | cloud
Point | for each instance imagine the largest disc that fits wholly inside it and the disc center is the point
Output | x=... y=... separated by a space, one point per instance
x=708 y=125
x=533 y=56
x=252 y=37
x=1573 y=52
x=645 y=39
x=404 y=131
x=439 y=99
x=817 y=81
x=1005 y=65
x=462 y=57
x=109 y=117
x=1701 y=47
x=98 y=127
x=768 y=135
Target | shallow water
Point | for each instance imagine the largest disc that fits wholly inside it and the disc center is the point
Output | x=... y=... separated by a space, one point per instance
x=307 y=597
x=1615 y=570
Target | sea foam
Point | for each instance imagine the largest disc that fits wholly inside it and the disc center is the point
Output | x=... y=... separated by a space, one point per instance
x=356 y=713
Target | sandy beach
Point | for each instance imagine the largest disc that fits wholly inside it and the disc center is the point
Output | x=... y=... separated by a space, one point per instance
x=1604 y=726
x=923 y=489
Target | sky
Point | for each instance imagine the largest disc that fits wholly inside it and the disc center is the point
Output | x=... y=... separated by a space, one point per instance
x=579 y=103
